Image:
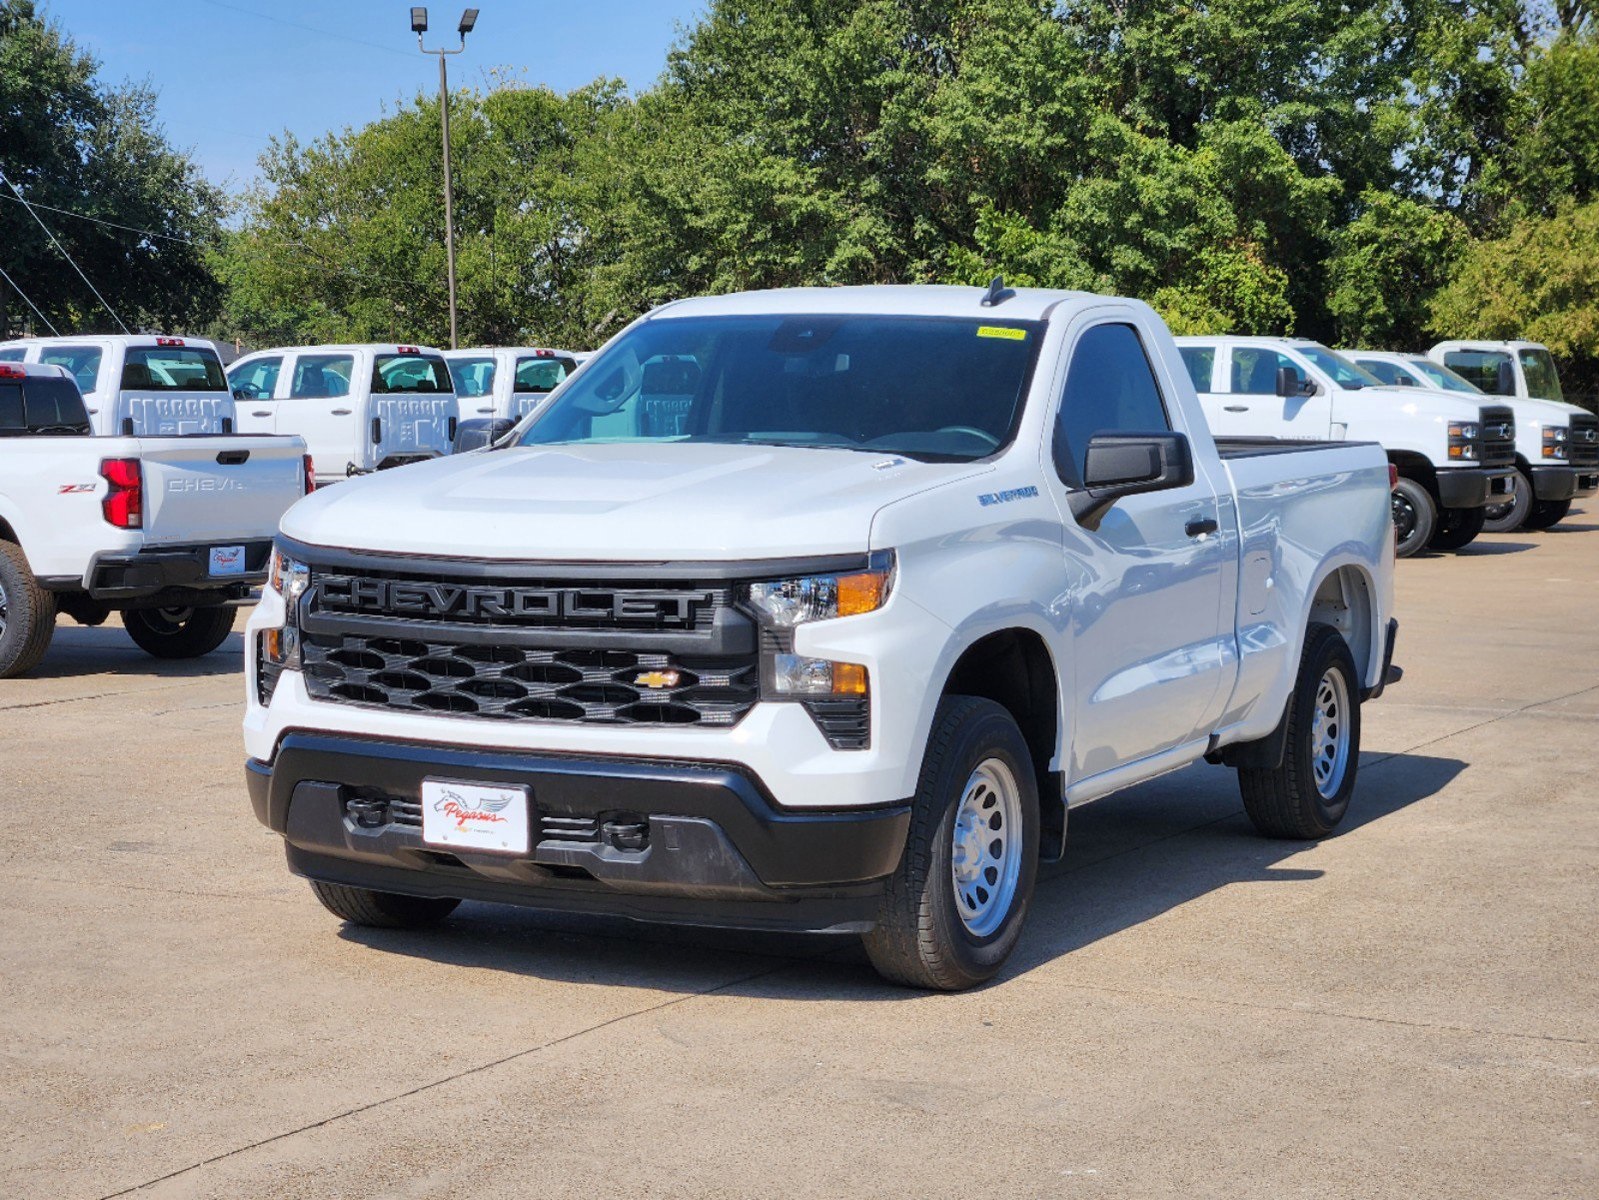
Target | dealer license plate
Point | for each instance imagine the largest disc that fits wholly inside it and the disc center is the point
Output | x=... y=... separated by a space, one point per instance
x=475 y=816
x=227 y=560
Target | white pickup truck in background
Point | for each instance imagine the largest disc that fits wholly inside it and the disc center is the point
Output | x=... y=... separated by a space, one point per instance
x=1454 y=457
x=820 y=628
x=498 y=386
x=360 y=408
x=144 y=385
x=173 y=532
x=1557 y=444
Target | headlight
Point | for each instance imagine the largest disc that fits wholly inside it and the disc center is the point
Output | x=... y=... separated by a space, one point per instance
x=1555 y=438
x=280 y=648
x=1463 y=440
x=785 y=603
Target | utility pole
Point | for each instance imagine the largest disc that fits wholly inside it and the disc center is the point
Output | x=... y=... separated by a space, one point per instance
x=419 y=26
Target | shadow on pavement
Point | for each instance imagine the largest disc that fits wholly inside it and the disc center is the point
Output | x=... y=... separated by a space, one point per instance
x=79 y=650
x=1130 y=858
x=1568 y=527
x=1485 y=545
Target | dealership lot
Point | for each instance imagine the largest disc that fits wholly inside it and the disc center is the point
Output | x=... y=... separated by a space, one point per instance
x=1410 y=1008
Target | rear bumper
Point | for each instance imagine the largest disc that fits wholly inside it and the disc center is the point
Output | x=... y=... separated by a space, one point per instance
x=169 y=575
x=1564 y=483
x=1473 y=487
x=717 y=850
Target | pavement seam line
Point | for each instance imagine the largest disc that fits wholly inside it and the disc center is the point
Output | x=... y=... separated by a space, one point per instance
x=1513 y=712
x=357 y=1110
x=161 y=687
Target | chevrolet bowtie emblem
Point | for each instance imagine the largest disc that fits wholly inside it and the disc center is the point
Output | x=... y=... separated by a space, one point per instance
x=657 y=679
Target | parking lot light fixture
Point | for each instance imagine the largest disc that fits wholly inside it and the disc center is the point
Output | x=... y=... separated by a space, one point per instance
x=419 y=25
x=468 y=20
x=419 y=21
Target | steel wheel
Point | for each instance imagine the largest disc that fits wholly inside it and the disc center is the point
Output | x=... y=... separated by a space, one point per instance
x=5 y=608
x=986 y=854
x=1329 y=751
x=1405 y=516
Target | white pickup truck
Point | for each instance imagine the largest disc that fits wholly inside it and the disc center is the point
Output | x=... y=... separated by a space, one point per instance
x=1557 y=446
x=360 y=408
x=1564 y=463
x=834 y=647
x=144 y=385
x=1454 y=457
x=174 y=532
x=498 y=386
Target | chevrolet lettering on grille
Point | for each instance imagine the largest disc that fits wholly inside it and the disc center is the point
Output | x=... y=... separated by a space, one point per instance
x=393 y=597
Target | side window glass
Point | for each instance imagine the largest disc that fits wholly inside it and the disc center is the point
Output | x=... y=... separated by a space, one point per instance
x=322 y=376
x=1201 y=364
x=1255 y=370
x=1480 y=367
x=12 y=354
x=1110 y=388
x=256 y=379
x=11 y=419
x=82 y=361
x=1387 y=372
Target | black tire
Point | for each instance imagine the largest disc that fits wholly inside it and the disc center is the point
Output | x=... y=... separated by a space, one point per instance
x=179 y=632
x=1286 y=802
x=381 y=910
x=1415 y=517
x=1457 y=527
x=1507 y=517
x=27 y=614
x=1546 y=514
x=921 y=939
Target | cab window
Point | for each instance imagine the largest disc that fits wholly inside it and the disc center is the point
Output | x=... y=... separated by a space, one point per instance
x=1110 y=388
x=1386 y=372
x=54 y=405
x=256 y=379
x=410 y=373
x=1201 y=364
x=1480 y=367
x=474 y=377
x=13 y=354
x=321 y=376
x=541 y=373
x=1255 y=370
x=81 y=362
x=12 y=422
x=173 y=369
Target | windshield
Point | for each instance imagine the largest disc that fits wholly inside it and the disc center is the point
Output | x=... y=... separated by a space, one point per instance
x=83 y=362
x=1543 y=381
x=473 y=376
x=1442 y=377
x=410 y=373
x=541 y=373
x=1335 y=366
x=173 y=369
x=930 y=388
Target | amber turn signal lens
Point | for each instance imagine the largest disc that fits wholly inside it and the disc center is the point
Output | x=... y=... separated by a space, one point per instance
x=861 y=593
x=849 y=679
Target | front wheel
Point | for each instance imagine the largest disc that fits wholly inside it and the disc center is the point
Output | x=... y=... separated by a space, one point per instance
x=1509 y=513
x=1415 y=517
x=953 y=910
x=1307 y=794
x=179 y=632
x=1457 y=527
x=1546 y=514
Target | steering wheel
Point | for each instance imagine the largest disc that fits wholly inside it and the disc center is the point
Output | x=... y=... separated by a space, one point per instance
x=993 y=442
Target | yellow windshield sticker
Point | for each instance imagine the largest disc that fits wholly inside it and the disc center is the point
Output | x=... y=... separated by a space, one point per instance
x=1000 y=331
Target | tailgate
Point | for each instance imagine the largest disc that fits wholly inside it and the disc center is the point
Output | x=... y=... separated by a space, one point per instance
x=172 y=414
x=207 y=490
x=409 y=425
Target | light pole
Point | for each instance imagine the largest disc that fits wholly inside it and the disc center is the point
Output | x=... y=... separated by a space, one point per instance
x=419 y=26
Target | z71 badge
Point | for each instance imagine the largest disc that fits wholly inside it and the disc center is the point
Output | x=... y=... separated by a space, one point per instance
x=74 y=489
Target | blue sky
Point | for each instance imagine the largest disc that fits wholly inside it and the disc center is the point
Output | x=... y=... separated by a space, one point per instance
x=232 y=73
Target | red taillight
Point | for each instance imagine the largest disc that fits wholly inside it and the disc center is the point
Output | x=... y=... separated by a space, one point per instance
x=409 y=349
x=12 y=371
x=169 y=341
x=544 y=354
x=310 y=476
x=123 y=505
x=1393 y=477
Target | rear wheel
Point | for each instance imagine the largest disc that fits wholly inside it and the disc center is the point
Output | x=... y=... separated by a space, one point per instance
x=1415 y=517
x=1508 y=514
x=1546 y=514
x=1457 y=527
x=953 y=910
x=1307 y=794
x=179 y=632
x=381 y=910
x=27 y=614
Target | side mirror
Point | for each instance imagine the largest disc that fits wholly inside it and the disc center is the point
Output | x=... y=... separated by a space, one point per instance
x=475 y=434
x=1129 y=464
x=1506 y=379
x=1290 y=384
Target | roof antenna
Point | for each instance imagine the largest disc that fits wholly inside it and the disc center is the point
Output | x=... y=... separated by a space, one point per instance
x=997 y=292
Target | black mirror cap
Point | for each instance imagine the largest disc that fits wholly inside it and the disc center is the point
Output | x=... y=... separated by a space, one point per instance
x=1288 y=382
x=475 y=434
x=1129 y=464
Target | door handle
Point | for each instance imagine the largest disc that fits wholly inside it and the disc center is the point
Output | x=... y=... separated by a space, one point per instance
x=341 y=412
x=259 y=413
x=485 y=410
x=1200 y=526
x=1236 y=408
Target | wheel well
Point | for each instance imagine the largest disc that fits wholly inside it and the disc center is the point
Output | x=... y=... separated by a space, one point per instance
x=1013 y=668
x=1415 y=466
x=7 y=534
x=1344 y=601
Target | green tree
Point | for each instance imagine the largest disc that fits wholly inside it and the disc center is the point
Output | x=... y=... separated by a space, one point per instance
x=1385 y=266
x=73 y=144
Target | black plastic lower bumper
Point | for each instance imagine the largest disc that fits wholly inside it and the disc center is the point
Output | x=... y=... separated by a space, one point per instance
x=169 y=574
x=694 y=843
x=1473 y=487
x=1564 y=483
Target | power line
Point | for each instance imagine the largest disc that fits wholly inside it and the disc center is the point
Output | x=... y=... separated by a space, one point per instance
x=64 y=253
x=67 y=212
x=29 y=303
x=343 y=37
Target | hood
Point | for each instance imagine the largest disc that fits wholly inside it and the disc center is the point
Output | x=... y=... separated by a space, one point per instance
x=632 y=502
x=1425 y=402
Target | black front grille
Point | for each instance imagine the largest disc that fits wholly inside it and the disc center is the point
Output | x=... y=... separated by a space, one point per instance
x=845 y=723
x=266 y=671
x=1498 y=435
x=1583 y=448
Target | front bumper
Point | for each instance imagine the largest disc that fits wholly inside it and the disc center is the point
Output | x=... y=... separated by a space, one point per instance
x=1563 y=482
x=169 y=575
x=1473 y=487
x=717 y=850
